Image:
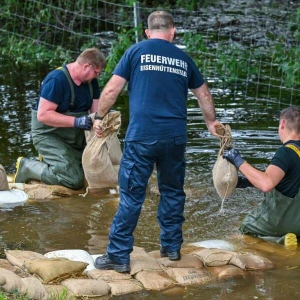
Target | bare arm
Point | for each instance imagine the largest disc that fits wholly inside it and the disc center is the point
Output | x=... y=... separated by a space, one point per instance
x=110 y=94
x=94 y=106
x=265 y=181
x=107 y=99
x=206 y=104
x=48 y=115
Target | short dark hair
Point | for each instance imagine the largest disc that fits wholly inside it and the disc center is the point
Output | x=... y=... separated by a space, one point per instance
x=160 y=20
x=292 y=117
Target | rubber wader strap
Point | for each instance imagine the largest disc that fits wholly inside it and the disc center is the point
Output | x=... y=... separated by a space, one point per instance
x=72 y=87
x=70 y=83
x=294 y=147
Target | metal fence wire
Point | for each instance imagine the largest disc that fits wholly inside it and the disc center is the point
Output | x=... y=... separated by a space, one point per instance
x=251 y=56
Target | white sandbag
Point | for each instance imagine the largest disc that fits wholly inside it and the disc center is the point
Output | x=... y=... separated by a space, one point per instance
x=74 y=255
x=12 y=197
x=220 y=244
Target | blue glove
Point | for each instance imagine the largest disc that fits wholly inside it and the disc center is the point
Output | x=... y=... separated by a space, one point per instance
x=234 y=157
x=84 y=122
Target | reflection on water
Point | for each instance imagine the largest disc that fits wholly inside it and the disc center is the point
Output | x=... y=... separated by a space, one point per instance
x=83 y=223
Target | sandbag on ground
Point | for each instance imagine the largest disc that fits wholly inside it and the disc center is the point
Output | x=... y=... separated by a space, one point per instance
x=214 y=257
x=19 y=257
x=74 y=255
x=189 y=276
x=140 y=260
x=108 y=275
x=249 y=261
x=86 y=288
x=227 y=271
x=41 y=191
x=186 y=261
x=34 y=289
x=122 y=287
x=155 y=280
x=10 y=282
x=55 y=270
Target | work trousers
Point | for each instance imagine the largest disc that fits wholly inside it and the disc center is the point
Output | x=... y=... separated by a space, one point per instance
x=136 y=167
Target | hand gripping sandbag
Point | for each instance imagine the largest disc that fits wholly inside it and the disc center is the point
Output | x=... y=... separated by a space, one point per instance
x=101 y=157
x=225 y=174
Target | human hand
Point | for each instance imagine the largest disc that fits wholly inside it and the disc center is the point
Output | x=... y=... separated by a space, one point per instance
x=84 y=122
x=98 y=128
x=233 y=156
x=216 y=128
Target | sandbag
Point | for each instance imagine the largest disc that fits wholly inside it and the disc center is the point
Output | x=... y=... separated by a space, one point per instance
x=74 y=255
x=108 y=275
x=121 y=287
x=43 y=191
x=189 y=276
x=57 y=291
x=228 y=271
x=19 y=257
x=186 y=261
x=225 y=174
x=5 y=264
x=3 y=180
x=12 y=197
x=140 y=260
x=86 y=288
x=55 y=270
x=33 y=289
x=155 y=280
x=9 y=281
x=249 y=261
x=215 y=257
x=101 y=156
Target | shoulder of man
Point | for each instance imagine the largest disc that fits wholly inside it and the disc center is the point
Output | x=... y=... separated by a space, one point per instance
x=294 y=147
x=55 y=75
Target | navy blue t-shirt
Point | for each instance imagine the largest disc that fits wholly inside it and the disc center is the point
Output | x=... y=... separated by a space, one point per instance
x=159 y=75
x=288 y=160
x=56 y=88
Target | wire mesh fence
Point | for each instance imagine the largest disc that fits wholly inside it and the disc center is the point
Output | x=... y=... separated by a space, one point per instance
x=251 y=56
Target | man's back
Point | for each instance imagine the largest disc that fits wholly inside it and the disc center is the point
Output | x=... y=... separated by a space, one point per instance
x=159 y=75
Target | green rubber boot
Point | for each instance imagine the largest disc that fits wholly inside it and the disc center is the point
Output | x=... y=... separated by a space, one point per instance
x=28 y=169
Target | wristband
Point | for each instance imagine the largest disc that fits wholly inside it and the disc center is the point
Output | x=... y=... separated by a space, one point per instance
x=97 y=117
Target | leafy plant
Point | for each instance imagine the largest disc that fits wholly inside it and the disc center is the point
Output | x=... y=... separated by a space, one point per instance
x=287 y=57
x=124 y=40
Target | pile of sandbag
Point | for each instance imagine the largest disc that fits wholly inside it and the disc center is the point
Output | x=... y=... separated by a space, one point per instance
x=72 y=273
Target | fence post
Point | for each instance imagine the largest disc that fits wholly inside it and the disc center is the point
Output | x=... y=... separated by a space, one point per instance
x=137 y=20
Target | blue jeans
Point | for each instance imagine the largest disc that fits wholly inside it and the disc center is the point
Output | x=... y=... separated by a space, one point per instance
x=136 y=168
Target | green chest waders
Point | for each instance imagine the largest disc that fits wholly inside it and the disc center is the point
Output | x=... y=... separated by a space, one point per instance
x=277 y=215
